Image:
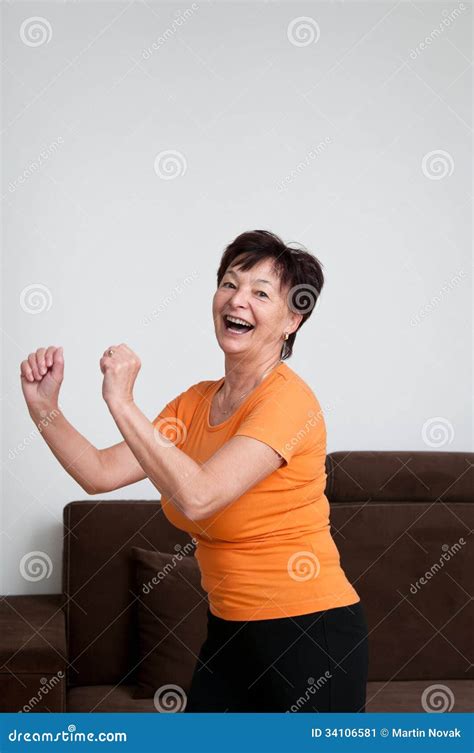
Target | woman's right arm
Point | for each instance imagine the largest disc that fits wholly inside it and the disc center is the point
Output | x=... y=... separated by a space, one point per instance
x=96 y=471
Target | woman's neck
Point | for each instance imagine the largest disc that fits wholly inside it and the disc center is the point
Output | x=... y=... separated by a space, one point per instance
x=241 y=376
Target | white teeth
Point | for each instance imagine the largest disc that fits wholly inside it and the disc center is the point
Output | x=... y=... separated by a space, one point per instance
x=238 y=321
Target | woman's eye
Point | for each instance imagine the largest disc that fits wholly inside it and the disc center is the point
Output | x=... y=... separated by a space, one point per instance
x=232 y=285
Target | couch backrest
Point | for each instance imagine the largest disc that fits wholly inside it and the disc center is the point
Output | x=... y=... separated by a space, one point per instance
x=401 y=522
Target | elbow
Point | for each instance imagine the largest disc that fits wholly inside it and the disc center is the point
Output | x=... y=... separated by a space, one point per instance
x=197 y=509
x=92 y=490
x=195 y=513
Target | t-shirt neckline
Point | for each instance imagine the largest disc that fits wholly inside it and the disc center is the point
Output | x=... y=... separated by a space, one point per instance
x=251 y=394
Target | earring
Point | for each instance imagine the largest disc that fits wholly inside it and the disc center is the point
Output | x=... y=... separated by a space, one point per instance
x=286 y=336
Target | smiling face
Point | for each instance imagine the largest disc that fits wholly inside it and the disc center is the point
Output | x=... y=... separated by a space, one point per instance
x=255 y=297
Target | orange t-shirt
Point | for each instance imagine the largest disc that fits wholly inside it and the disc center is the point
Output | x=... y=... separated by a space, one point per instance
x=269 y=553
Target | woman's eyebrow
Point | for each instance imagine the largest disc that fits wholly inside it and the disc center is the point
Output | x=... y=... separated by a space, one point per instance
x=230 y=272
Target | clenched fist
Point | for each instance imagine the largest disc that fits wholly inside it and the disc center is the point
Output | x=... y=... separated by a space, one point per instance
x=120 y=367
x=41 y=376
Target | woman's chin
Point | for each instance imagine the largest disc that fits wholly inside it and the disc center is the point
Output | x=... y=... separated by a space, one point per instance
x=232 y=343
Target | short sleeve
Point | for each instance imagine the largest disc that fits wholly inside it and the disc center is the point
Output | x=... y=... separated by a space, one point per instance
x=168 y=423
x=289 y=420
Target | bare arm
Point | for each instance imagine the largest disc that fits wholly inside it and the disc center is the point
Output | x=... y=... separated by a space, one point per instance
x=75 y=453
x=195 y=490
x=96 y=471
x=119 y=467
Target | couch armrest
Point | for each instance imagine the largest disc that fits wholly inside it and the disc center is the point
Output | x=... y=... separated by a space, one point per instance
x=33 y=653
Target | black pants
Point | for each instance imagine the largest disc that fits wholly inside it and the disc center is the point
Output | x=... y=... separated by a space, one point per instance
x=311 y=662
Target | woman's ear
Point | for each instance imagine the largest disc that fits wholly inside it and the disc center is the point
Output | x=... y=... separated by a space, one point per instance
x=295 y=322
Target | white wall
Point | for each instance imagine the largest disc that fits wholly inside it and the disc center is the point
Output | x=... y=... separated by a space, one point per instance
x=330 y=139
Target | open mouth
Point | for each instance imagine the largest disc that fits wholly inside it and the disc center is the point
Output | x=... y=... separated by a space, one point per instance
x=235 y=325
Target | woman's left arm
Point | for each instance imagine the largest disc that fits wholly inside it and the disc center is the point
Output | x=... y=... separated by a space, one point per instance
x=197 y=490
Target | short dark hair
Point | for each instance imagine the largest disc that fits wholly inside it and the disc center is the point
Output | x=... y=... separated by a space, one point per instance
x=298 y=269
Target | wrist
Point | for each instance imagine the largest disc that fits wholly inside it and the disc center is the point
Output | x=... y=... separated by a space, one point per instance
x=44 y=412
x=120 y=405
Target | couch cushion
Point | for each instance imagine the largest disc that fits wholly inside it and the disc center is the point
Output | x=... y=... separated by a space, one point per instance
x=98 y=580
x=107 y=699
x=171 y=618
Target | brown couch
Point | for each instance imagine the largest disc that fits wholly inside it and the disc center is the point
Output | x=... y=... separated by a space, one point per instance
x=394 y=515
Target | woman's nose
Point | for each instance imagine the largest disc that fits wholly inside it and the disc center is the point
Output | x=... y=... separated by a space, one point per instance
x=240 y=297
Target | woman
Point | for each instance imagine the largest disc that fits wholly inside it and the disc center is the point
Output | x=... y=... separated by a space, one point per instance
x=240 y=465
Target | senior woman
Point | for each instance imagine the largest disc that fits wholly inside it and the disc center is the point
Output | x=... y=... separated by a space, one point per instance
x=240 y=465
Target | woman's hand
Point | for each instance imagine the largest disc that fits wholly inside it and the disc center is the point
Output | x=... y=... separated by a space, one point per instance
x=120 y=371
x=41 y=375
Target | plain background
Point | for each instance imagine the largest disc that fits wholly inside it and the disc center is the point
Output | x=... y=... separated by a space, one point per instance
x=346 y=132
